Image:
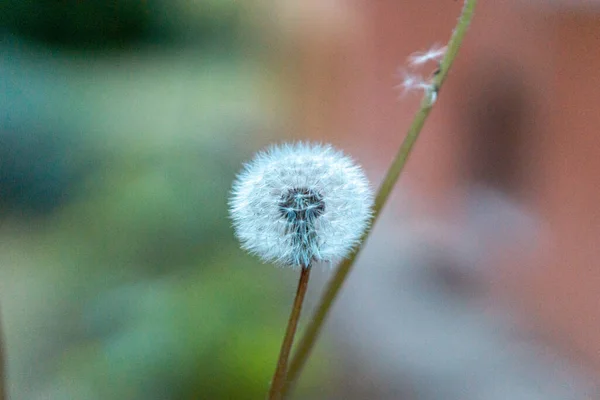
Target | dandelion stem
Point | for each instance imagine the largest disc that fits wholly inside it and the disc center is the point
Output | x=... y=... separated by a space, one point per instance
x=278 y=383
x=315 y=325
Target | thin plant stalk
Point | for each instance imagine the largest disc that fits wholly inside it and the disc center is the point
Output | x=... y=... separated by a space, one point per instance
x=278 y=382
x=315 y=324
x=3 y=383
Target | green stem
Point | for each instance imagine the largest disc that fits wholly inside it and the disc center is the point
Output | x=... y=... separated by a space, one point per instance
x=315 y=325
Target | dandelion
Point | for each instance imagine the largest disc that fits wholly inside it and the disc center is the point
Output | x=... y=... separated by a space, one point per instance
x=300 y=203
x=296 y=204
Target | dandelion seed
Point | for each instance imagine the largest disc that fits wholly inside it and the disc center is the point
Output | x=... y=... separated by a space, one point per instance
x=300 y=203
x=414 y=82
x=435 y=53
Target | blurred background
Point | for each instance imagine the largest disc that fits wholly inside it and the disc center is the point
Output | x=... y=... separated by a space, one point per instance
x=123 y=123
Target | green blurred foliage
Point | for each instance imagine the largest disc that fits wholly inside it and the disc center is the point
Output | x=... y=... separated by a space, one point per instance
x=134 y=286
x=97 y=24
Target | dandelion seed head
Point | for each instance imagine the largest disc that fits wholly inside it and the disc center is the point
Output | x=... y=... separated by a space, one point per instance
x=299 y=203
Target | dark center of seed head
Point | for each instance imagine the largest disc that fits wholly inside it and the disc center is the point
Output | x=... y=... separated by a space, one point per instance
x=301 y=204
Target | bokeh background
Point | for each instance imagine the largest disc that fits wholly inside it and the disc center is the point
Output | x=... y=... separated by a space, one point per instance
x=123 y=123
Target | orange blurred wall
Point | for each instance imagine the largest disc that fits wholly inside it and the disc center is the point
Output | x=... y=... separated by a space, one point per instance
x=343 y=59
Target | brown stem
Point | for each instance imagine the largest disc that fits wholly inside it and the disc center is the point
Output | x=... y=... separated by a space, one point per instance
x=276 y=391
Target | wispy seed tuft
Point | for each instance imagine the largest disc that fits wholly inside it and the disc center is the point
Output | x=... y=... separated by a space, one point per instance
x=295 y=204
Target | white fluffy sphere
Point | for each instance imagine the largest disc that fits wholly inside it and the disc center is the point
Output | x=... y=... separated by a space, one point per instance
x=299 y=203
